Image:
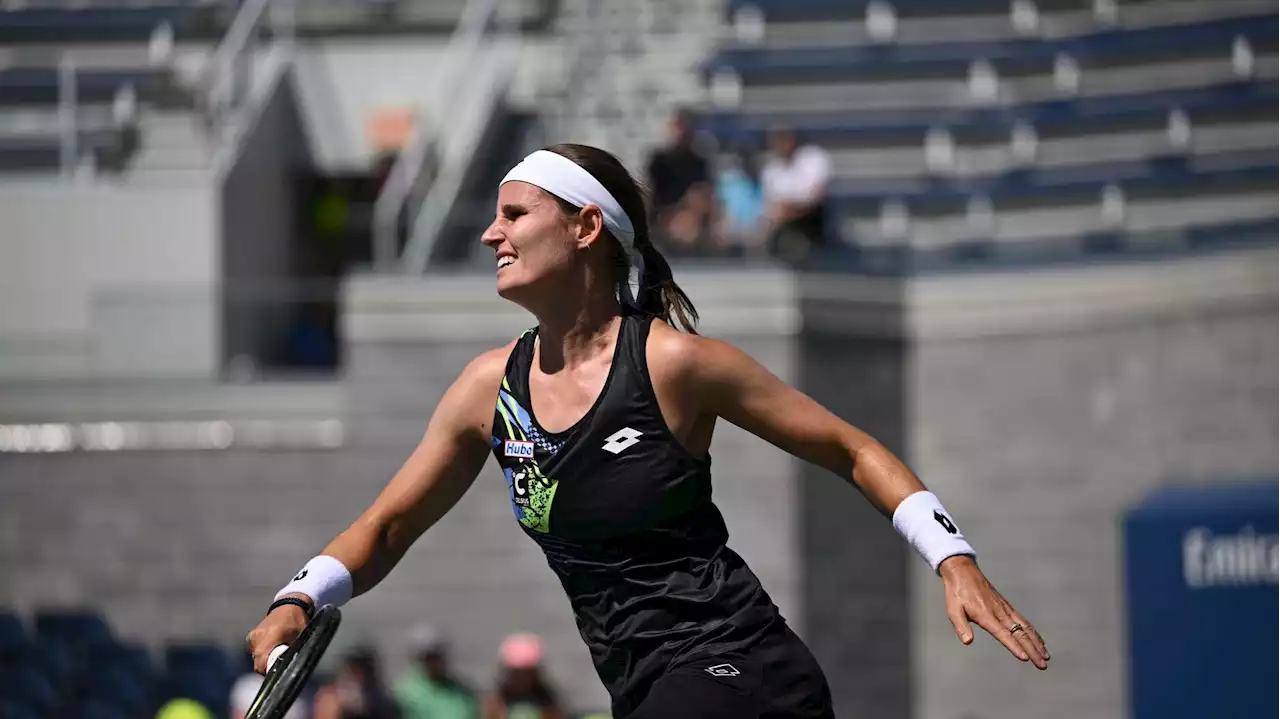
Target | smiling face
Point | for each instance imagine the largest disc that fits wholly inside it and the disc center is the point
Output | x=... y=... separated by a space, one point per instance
x=536 y=245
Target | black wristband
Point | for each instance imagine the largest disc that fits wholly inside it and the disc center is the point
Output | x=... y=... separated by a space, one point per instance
x=294 y=601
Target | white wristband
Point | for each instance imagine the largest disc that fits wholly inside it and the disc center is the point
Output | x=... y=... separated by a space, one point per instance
x=922 y=521
x=324 y=579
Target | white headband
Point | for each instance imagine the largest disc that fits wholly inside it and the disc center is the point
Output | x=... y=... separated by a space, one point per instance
x=563 y=178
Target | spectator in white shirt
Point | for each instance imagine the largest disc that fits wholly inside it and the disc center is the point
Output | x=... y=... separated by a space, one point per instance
x=795 y=181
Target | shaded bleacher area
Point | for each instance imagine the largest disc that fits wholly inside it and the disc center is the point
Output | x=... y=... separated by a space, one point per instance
x=125 y=46
x=60 y=21
x=985 y=132
x=116 y=58
x=69 y=664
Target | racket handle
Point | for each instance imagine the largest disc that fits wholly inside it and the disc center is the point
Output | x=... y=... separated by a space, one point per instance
x=275 y=654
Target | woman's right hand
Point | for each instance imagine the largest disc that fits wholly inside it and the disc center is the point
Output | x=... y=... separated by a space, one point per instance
x=281 y=626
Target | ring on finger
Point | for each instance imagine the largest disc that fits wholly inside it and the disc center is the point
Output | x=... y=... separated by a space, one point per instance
x=1017 y=627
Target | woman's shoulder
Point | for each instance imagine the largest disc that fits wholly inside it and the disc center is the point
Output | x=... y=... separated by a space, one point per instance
x=697 y=362
x=492 y=362
x=678 y=354
x=484 y=373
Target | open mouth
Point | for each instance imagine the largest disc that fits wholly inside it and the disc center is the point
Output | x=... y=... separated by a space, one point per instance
x=506 y=261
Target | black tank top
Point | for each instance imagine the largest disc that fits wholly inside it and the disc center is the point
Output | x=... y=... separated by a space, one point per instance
x=623 y=513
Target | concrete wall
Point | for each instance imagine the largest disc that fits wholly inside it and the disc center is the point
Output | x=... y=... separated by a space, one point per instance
x=96 y=279
x=1038 y=405
x=854 y=565
x=1039 y=436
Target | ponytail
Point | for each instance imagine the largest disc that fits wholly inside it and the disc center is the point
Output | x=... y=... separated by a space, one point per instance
x=660 y=296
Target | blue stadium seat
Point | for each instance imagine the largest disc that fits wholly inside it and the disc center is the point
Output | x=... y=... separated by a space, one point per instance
x=198 y=658
x=13 y=710
x=13 y=636
x=39 y=86
x=119 y=686
x=27 y=686
x=29 y=155
x=79 y=628
x=1163 y=172
x=89 y=23
x=210 y=691
x=93 y=709
x=204 y=672
x=1082 y=115
x=953 y=58
x=986 y=254
x=131 y=656
x=811 y=10
x=61 y=662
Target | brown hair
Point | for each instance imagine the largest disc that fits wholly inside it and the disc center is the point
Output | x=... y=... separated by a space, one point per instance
x=660 y=296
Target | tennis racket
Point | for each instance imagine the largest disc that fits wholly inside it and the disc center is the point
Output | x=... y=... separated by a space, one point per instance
x=290 y=666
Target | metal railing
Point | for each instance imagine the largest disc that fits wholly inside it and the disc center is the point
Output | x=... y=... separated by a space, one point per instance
x=233 y=97
x=401 y=197
x=68 y=127
x=229 y=93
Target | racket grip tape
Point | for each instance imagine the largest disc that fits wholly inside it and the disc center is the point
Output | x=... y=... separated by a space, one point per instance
x=275 y=654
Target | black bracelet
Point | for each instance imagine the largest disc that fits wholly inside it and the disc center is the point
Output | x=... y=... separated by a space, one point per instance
x=294 y=601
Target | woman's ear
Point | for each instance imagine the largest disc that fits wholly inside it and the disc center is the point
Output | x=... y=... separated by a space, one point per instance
x=590 y=226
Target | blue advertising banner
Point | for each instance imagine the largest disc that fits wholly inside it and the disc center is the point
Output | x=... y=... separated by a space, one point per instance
x=1201 y=586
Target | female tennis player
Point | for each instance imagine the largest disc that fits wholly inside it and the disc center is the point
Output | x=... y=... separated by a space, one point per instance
x=600 y=418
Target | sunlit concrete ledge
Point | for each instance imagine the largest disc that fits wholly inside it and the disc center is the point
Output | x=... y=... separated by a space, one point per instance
x=778 y=301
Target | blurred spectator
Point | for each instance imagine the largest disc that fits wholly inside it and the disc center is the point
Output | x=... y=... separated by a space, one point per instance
x=795 y=181
x=429 y=690
x=357 y=692
x=683 y=199
x=741 y=204
x=245 y=690
x=183 y=709
x=522 y=692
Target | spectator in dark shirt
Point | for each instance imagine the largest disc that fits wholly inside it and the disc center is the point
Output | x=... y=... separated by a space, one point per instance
x=683 y=196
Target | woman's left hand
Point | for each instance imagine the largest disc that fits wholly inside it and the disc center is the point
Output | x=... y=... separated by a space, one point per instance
x=971 y=598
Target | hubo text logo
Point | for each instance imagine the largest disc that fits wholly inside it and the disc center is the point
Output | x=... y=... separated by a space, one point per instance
x=1230 y=560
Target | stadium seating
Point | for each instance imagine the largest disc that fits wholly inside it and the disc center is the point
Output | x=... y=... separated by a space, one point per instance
x=26 y=686
x=100 y=21
x=107 y=42
x=13 y=636
x=202 y=672
x=72 y=666
x=1037 y=129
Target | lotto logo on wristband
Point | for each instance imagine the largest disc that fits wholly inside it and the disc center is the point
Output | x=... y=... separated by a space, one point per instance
x=515 y=448
x=945 y=521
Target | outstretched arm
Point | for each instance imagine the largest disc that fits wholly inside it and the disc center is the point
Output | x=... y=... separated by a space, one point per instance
x=430 y=483
x=731 y=385
x=433 y=479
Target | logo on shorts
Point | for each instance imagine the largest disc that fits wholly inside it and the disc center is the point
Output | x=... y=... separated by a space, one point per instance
x=516 y=448
x=723 y=670
x=301 y=575
x=945 y=521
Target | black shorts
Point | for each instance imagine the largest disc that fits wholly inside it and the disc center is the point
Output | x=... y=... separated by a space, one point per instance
x=778 y=678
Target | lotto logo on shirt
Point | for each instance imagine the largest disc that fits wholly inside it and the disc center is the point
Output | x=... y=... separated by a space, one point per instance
x=518 y=449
